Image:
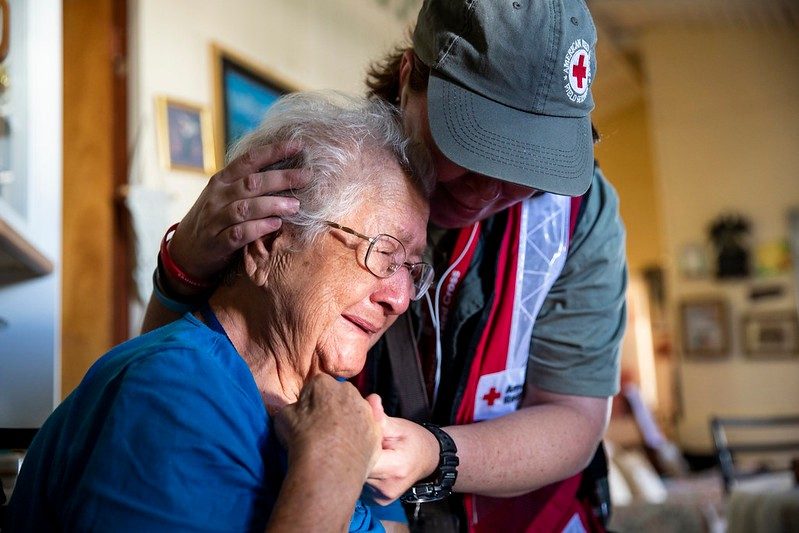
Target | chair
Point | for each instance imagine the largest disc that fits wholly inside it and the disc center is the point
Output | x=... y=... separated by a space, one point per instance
x=758 y=437
x=12 y=439
x=16 y=438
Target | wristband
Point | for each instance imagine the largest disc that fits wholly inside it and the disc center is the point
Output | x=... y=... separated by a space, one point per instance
x=160 y=293
x=174 y=270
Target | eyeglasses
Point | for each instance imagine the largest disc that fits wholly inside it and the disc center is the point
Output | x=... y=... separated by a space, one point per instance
x=386 y=255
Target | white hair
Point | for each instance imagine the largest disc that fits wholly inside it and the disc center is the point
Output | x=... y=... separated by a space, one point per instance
x=346 y=142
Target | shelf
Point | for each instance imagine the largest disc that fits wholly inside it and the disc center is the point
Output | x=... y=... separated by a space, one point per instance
x=19 y=259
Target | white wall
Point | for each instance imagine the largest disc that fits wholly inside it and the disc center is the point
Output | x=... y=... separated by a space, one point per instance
x=724 y=115
x=29 y=345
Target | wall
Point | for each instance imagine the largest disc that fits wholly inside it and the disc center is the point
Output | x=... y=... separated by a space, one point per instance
x=723 y=111
x=625 y=156
x=29 y=342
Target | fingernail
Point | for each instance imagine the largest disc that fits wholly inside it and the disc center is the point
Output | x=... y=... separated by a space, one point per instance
x=292 y=204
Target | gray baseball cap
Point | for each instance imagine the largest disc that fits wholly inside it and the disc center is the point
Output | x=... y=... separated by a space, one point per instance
x=509 y=94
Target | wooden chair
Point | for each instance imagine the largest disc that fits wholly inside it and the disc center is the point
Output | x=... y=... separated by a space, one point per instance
x=754 y=436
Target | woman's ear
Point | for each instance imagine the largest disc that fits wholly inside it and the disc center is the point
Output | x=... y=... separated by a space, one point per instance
x=258 y=258
x=406 y=64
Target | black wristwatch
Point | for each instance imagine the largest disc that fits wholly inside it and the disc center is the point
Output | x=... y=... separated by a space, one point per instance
x=439 y=484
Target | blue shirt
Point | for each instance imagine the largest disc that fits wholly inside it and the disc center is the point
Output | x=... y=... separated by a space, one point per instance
x=166 y=432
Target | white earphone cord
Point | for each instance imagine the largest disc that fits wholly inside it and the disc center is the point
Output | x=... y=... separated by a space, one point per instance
x=434 y=309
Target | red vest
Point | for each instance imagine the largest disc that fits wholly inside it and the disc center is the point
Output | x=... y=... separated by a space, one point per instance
x=531 y=257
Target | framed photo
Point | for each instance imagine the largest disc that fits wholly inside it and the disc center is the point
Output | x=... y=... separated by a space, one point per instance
x=185 y=136
x=772 y=334
x=693 y=261
x=243 y=91
x=705 y=328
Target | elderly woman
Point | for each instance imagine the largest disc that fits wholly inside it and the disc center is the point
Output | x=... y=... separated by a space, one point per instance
x=173 y=430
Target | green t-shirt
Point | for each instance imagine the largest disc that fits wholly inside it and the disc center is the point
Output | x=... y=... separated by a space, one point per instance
x=575 y=347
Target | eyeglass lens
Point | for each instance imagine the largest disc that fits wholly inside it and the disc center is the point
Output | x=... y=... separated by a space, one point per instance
x=422 y=275
x=386 y=255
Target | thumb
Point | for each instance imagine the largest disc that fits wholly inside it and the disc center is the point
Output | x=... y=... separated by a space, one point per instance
x=378 y=414
x=393 y=432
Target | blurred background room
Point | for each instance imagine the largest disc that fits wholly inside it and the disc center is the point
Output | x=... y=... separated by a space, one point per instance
x=114 y=114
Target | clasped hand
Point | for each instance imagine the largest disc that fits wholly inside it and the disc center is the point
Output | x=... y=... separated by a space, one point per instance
x=409 y=452
x=334 y=424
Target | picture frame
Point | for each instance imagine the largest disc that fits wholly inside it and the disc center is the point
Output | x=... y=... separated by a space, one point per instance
x=185 y=136
x=770 y=334
x=693 y=261
x=705 y=328
x=243 y=91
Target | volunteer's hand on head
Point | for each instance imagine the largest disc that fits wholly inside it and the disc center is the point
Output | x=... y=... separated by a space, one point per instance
x=331 y=423
x=235 y=208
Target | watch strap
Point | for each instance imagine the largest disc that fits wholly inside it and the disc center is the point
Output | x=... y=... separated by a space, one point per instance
x=439 y=485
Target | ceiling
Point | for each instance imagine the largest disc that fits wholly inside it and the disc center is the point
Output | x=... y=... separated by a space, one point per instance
x=621 y=22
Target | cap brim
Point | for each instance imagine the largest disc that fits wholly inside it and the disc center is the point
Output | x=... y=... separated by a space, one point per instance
x=552 y=154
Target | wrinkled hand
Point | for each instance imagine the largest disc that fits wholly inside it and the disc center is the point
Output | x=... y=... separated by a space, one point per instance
x=236 y=207
x=409 y=453
x=334 y=425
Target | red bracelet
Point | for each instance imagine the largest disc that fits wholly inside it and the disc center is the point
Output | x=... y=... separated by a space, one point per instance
x=174 y=270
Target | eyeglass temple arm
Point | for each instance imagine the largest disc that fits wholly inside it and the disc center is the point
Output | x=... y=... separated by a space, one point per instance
x=349 y=230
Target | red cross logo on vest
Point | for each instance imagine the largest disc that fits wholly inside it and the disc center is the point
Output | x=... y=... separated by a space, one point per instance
x=492 y=396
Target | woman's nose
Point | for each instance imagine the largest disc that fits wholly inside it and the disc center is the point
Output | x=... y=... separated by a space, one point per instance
x=394 y=293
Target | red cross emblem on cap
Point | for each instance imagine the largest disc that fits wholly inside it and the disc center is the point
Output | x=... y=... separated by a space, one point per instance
x=579 y=72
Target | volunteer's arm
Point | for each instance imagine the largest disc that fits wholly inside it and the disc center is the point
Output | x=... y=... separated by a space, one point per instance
x=552 y=439
x=237 y=206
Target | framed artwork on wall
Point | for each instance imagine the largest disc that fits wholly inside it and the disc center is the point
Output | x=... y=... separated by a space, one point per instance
x=771 y=334
x=185 y=136
x=705 y=328
x=243 y=91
